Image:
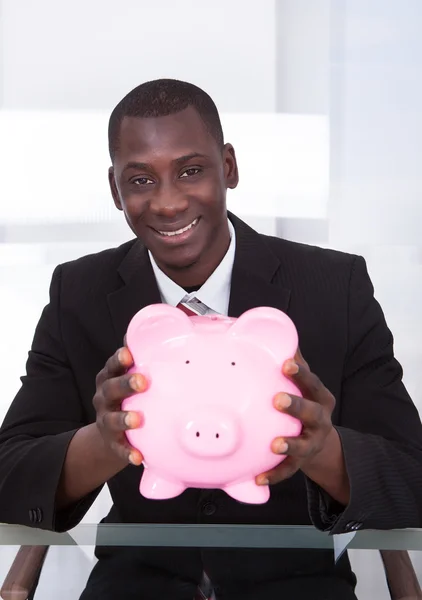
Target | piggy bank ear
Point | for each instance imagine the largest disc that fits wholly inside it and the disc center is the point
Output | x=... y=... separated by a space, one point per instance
x=155 y=324
x=269 y=327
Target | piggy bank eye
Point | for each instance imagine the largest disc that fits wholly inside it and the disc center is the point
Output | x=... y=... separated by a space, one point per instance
x=233 y=364
x=187 y=362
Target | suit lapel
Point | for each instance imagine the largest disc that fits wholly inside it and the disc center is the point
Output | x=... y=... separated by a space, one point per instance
x=256 y=277
x=140 y=289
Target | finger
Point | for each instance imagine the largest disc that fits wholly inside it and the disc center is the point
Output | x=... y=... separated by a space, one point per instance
x=115 y=390
x=114 y=426
x=116 y=365
x=309 y=384
x=299 y=448
x=120 y=421
x=311 y=414
x=110 y=395
x=283 y=471
x=129 y=454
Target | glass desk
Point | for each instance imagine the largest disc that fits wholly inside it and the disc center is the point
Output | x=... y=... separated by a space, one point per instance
x=208 y=536
x=389 y=562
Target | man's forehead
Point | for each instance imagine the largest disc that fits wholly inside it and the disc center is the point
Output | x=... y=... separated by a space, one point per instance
x=179 y=133
x=186 y=122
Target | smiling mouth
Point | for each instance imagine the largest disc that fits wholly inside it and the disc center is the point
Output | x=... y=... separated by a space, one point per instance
x=178 y=231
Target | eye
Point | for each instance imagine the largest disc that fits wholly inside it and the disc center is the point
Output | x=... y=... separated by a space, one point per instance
x=142 y=181
x=190 y=172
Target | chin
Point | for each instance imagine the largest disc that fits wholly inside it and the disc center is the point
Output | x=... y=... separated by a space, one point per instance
x=178 y=260
x=181 y=265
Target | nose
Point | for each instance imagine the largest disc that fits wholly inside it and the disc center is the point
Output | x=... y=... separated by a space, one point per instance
x=210 y=434
x=167 y=201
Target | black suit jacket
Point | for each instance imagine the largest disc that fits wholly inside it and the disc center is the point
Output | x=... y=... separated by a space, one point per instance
x=344 y=338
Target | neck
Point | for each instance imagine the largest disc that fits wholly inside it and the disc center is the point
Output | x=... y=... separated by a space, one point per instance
x=196 y=274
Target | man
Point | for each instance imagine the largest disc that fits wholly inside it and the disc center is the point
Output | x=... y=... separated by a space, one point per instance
x=358 y=462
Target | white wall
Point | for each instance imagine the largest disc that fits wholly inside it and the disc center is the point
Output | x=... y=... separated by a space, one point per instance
x=82 y=55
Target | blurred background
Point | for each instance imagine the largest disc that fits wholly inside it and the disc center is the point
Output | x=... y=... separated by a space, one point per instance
x=322 y=100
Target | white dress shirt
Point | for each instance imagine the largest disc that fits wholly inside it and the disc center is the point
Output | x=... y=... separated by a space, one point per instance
x=214 y=293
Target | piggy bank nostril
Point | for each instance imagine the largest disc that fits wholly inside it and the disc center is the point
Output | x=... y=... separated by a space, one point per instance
x=217 y=435
x=197 y=434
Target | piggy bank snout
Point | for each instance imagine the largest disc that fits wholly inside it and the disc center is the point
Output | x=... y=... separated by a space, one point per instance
x=209 y=433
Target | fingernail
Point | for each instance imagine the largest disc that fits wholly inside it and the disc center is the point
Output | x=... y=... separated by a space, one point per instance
x=132 y=459
x=292 y=367
x=263 y=481
x=281 y=447
x=283 y=401
x=131 y=420
x=121 y=355
x=137 y=383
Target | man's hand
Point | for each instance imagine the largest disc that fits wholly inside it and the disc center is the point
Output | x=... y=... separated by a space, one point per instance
x=100 y=450
x=317 y=450
x=114 y=384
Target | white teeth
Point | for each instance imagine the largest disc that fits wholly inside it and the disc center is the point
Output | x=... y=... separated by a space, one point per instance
x=179 y=231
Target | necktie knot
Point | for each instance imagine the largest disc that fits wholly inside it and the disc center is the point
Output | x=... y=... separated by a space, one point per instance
x=192 y=306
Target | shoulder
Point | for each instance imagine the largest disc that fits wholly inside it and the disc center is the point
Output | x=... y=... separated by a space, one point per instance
x=315 y=268
x=287 y=250
x=94 y=270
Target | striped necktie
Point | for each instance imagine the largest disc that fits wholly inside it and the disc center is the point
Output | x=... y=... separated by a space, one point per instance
x=192 y=307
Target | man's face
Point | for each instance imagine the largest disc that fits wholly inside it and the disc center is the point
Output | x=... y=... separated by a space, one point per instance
x=170 y=177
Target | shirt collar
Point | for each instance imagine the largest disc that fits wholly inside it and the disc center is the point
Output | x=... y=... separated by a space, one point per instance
x=215 y=292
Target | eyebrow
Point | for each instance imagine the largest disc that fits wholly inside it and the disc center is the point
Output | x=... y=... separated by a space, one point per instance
x=180 y=159
x=187 y=157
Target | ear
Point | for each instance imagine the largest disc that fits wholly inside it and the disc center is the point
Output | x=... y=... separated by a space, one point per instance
x=113 y=188
x=156 y=324
x=270 y=327
x=231 y=172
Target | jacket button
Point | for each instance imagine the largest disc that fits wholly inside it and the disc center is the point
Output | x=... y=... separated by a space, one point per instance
x=209 y=508
x=31 y=514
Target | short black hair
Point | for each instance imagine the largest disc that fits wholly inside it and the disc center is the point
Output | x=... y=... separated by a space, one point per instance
x=160 y=98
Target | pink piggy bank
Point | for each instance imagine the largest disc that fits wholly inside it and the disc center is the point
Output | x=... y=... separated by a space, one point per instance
x=208 y=414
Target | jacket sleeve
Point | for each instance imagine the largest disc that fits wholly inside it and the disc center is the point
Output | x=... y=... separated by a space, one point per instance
x=379 y=427
x=36 y=432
